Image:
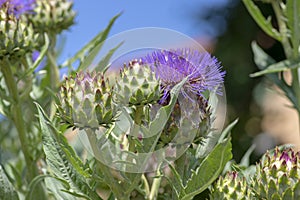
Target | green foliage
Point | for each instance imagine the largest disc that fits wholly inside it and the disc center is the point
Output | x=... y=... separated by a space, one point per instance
x=63 y=162
x=208 y=170
x=287 y=15
x=265 y=24
x=87 y=54
x=263 y=60
x=7 y=190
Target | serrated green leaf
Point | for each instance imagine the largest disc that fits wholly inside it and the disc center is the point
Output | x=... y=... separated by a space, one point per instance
x=62 y=160
x=90 y=50
x=265 y=24
x=208 y=171
x=263 y=60
x=7 y=190
x=278 y=67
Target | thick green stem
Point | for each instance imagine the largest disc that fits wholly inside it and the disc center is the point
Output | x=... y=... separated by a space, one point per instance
x=53 y=72
x=136 y=127
x=133 y=134
x=291 y=52
x=137 y=177
x=282 y=29
x=17 y=117
x=146 y=185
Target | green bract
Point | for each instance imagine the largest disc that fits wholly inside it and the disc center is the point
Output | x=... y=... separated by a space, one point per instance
x=278 y=176
x=85 y=101
x=137 y=85
x=16 y=37
x=52 y=16
x=231 y=187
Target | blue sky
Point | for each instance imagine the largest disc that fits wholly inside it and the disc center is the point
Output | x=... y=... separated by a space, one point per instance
x=94 y=15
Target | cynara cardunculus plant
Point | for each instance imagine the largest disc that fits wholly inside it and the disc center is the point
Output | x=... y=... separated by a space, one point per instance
x=141 y=134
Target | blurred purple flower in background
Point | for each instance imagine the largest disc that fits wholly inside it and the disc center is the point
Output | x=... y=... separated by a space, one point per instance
x=203 y=71
x=18 y=7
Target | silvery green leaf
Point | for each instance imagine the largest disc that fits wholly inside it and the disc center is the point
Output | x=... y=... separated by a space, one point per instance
x=7 y=190
x=208 y=171
x=54 y=186
x=62 y=160
x=277 y=67
x=263 y=60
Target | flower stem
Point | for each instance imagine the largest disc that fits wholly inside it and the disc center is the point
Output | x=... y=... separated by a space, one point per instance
x=155 y=185
x=53 y=71
x=291 y=51
x=17 y=117
x=136 y=127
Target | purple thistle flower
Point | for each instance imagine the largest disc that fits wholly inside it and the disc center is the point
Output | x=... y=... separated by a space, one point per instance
x=171 y=67
x=18 y=7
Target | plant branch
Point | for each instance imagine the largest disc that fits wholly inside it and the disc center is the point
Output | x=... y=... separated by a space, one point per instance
x=17 y=117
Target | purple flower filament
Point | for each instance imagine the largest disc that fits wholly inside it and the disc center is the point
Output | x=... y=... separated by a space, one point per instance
x=171 y=67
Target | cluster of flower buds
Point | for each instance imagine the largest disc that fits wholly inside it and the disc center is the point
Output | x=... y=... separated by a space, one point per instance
x=137 y=85
x=85 y=101
x=231 y=186
x=278 y=176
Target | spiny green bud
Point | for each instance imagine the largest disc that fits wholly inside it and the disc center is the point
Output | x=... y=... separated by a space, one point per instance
x=52 y=16
x=138 y=85
x=85 y=101
x=278 y=176
x=17 y=38
x=231 y=187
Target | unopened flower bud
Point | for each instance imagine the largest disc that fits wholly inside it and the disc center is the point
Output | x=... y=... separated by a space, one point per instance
x=138 y=85
x=278 y=175
x=85 y=101
x=52 y=16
